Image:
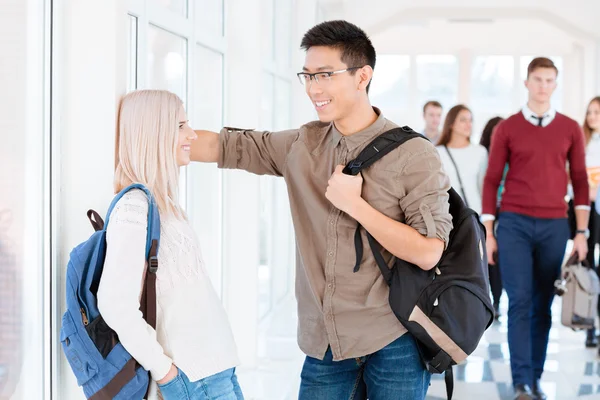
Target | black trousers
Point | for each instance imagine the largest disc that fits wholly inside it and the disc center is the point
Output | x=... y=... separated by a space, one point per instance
x=495 y=276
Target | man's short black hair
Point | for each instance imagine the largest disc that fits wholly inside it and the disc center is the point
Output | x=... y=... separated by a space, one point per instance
x=354 y=44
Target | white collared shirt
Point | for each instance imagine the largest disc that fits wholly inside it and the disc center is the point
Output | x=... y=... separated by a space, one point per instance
x=532 y=117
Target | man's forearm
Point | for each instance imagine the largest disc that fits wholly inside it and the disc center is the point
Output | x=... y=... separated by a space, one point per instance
x=489 y=228
x=206 y=147
x=399 y=239
x=582 y=217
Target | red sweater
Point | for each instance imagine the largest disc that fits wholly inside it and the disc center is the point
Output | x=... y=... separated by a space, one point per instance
x=536 y=183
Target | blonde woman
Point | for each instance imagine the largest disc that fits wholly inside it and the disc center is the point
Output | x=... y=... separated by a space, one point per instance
x=191 y=355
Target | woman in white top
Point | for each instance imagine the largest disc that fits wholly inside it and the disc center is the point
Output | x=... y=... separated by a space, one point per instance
x=591 y=130
x=464 y=162
x=192 y=354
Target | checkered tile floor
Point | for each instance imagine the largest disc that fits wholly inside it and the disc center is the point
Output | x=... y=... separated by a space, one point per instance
x=571 y=370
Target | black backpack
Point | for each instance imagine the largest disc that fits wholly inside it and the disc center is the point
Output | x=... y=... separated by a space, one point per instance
x=448 y=308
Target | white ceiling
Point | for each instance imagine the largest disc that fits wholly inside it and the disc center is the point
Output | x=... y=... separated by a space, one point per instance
x=489 y=26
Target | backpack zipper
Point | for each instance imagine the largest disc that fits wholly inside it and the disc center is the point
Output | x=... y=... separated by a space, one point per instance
x=84 y=317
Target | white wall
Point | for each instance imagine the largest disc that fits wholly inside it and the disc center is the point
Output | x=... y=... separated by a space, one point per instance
x=89 y=78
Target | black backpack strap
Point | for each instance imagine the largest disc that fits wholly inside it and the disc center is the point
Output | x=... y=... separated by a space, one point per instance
x=374 y=151
x=449 y=378
x=462 y=188
x=383 y=267
x=379 y=147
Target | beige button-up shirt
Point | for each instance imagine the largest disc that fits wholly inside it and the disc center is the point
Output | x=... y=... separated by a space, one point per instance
x=337 y=307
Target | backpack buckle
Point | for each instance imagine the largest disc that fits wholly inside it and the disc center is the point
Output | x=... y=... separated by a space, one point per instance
x=153 y=264
x=353 y=168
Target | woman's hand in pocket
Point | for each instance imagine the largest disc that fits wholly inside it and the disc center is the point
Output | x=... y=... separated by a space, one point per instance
x=172 y=374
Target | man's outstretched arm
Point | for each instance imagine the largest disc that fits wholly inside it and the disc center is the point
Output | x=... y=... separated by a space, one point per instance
x=206 y=147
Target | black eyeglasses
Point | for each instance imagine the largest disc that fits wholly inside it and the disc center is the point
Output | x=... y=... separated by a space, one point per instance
x=321 y=78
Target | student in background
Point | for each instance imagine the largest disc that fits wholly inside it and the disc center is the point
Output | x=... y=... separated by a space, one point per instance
x=464 y=162
x=432 y=115
x=533 y=229
x=591 y=131
x=494 y=269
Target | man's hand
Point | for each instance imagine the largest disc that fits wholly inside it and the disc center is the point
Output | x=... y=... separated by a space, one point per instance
x=492 y=247
x=344 y=191
x=206 y=147
x=580 y=246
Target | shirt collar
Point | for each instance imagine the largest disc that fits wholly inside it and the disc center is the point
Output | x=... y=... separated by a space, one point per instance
x=530 y=116
x=359 y=138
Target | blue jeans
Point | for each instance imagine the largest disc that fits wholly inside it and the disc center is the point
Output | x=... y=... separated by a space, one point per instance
x=221 y=386
x=392 y=373
x=530 y=251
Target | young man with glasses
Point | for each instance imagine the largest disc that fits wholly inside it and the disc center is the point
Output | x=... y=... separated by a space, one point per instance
x=355 y=346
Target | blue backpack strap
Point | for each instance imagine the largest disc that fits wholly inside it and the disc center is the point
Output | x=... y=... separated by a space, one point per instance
x=153 y=221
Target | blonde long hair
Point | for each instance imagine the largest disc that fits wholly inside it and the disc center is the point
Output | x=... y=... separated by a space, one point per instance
x=587 y=129
x=146 y=145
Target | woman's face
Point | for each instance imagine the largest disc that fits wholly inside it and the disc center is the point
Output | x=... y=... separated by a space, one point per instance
x=463 y=124
x=186 y=136
x=593 y=116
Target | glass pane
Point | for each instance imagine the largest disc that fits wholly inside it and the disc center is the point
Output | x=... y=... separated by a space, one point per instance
x=167 y=62
x=267 y=117
x=283 y=27
x=389 y=89
x=132 y=51
x=209 y=16
x=23 y=218
x=492 y=83
x=205 y=188
x=557 y=97
x=268 y=35
x=280 y=267
x=437 y=79
x=177 y=6
x=283 y=93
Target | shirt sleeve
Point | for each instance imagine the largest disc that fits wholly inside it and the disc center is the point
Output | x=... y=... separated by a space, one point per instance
x=262 y=153
x=424 y=195
x=121 y=283
x=497 y=160
x=577 y=169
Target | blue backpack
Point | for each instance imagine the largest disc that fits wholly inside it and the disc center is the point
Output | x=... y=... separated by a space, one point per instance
x=101 y=365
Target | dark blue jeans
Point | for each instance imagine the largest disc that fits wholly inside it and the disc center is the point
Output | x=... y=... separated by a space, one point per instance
x=392 y=373
x=530 y=252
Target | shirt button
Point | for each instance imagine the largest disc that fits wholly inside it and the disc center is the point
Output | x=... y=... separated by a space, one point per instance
x=331 y=254
x=331 y=222
x=330 y=286
x=329 y=317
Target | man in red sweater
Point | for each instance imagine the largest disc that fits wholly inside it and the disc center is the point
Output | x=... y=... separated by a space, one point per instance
x=533 y=230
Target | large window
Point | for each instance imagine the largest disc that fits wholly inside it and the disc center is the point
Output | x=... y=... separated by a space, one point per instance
x=25 y=270
x=492 y=90
x=167 y=65
x=437 y=79
x=390 y=88
x=184 y=50
x=274 y=273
